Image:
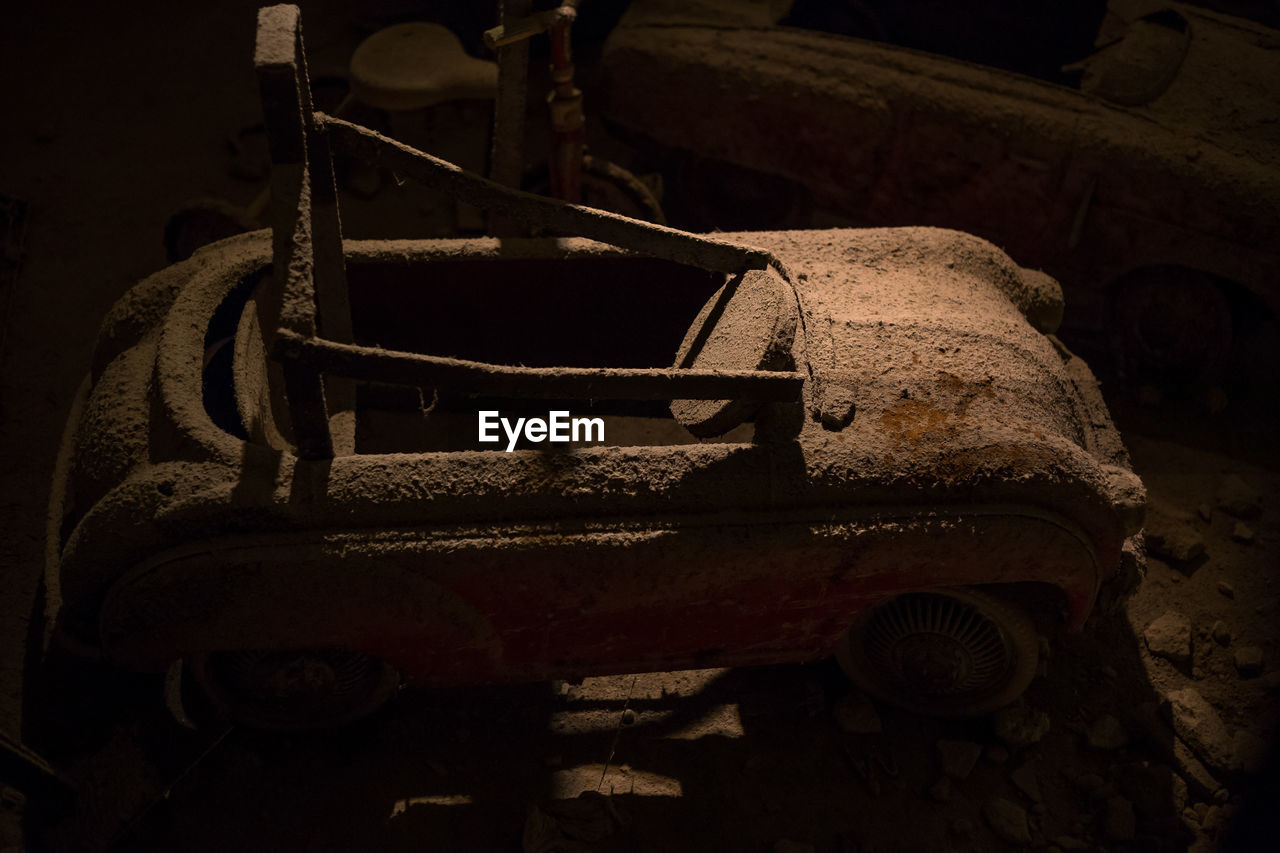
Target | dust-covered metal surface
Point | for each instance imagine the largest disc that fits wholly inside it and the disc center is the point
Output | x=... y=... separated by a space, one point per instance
x=941 y=440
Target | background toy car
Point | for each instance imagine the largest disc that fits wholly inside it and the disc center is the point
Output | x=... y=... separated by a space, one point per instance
x=1144 y=189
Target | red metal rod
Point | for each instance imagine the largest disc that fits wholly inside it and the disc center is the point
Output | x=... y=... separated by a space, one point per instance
x=567 y=120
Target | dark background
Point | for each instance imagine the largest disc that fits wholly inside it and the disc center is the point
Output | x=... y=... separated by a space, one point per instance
x=116 y=115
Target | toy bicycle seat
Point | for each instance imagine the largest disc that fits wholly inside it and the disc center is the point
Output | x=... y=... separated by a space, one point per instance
x=418 y=65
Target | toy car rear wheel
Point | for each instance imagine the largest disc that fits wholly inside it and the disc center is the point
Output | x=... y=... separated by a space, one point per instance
x=944 y=653
x=1170 y=326
x=295 y=690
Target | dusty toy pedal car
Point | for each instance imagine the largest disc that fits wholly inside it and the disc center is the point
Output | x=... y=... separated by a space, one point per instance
x=868 y=445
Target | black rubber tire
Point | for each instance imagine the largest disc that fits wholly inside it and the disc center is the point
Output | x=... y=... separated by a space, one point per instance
x=374 y=684
x=1008 y=629
x=1170 y=327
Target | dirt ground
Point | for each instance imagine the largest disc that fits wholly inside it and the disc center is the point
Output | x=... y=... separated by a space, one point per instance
x=1145 y=733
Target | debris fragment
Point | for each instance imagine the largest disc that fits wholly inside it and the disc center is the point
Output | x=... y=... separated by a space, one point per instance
x=1170 y=535
x=1197 y=776
x=1238 y=498
x=559 y=825
x=1089 y=784
x=957 y=757
x=1025 y=780
x=857 y=715
x=1242 y=533
x=1107 y=733
x=1119 y=822
x=1221 y=633
x=1226 y=589
x=1020 y=725
x=1198 y=723
x=1248 y=660
x=1008 y=820
x=1169 y=637
x=1248 y=751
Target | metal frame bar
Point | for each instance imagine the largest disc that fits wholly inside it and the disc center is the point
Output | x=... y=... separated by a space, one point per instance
x=549 y=213
x=309 y=268
x=308 y=305
x=554 y=383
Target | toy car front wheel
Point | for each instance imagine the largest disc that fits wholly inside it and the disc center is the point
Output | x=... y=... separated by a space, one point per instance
x=944 y=653
x=295 y=690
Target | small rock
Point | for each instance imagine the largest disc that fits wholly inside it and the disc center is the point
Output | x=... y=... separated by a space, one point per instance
x=1248 y=751
x=1107 y=733
x=1120 y=823
x=940 y=791
x=1249 y=661
x=628 y=717
x=786 y=845
x=1226 y=589
x=1198 y=778
x=1088 y=783
x=1169 y=534
x=1024 y=779
x=1221 y=633
x=1238 y=498
x=1221 y=795
x=1180 y=792
x=1108 y=672
x=1205 y=512
x=856 y=715
x=1212 y=818
x=1169 y=637
x=957 y=757
x=1007 y=820
x=996 y=754
x=1242 y=533
x=1069 y=842
x=1148 y=786
x=1020 y=725
x=1197 y=722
